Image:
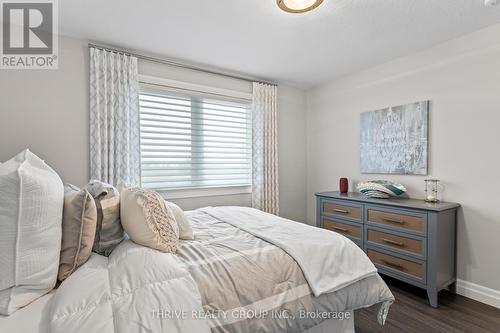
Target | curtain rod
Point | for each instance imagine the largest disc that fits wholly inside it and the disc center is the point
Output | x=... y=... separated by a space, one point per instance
x=178 y=64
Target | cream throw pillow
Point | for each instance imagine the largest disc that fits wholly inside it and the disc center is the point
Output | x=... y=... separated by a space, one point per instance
x=78 y=230
x=31 y=206
x=148 y=220
x=185 y=230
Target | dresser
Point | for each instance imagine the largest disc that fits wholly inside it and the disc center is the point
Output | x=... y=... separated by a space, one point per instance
x=408 y=239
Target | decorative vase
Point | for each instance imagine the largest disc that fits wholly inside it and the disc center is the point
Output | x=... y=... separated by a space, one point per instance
x=344 y=185
x=381 y=189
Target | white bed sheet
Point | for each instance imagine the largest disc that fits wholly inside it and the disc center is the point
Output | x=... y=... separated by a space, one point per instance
x=30 y=319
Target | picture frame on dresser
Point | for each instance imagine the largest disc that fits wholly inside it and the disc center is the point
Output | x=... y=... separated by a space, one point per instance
x=407 y=239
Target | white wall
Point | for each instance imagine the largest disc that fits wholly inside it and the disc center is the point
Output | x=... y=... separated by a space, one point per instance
x=48 y=111
x=461 y=78
x=292 y=153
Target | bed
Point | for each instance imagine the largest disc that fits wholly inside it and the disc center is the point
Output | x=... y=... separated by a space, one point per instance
x=241 y=273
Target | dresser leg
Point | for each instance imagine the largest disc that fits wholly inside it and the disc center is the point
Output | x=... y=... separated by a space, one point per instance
x=433 y=297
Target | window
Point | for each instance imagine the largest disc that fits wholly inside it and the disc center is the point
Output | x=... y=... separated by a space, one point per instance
x=194 y=140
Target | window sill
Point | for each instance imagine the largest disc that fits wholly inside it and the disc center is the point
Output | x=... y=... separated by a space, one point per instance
x=205 y=192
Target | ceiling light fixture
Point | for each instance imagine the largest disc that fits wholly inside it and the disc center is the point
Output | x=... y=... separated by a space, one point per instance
x=298 y=6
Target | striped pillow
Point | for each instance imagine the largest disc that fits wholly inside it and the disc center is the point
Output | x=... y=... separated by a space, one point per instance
x=109 y=231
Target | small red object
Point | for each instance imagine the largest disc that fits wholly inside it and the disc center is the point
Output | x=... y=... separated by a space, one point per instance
x=344 y=185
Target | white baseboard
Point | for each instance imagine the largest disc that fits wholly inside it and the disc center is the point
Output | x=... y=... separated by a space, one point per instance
x=479 y=293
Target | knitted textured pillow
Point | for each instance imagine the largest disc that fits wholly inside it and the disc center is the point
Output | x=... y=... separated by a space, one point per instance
x=185 y=229
x=148 y=220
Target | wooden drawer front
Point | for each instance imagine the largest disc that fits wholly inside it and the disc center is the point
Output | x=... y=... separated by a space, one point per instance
x=342 y=210
x=343 y=228
x=399 y=264
x=414 y=223
x=395 y=241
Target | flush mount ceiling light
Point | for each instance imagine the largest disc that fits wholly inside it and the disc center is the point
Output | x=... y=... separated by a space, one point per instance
x=298 y=6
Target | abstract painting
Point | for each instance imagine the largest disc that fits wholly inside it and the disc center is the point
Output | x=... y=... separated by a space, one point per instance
x=394 y=140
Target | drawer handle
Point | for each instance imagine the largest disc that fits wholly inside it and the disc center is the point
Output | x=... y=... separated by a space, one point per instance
x=392 y=264
x=340 y=229
x=343 y=211
x=394 y=221
x=390 y=241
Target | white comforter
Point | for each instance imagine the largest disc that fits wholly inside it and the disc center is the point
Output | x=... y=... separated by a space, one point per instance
x=134 y=290
x=328 y=260
x=137 y=288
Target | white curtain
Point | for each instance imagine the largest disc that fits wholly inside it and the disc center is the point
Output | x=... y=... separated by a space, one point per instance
x=114 y=118
x=265 y=193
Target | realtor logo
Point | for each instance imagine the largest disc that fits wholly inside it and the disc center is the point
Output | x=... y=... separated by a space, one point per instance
x=29 y=34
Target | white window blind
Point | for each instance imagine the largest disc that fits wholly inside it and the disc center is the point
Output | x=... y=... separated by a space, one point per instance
x=194 y=140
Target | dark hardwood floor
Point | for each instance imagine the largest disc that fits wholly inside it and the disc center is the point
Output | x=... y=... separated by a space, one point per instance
x=411 y=313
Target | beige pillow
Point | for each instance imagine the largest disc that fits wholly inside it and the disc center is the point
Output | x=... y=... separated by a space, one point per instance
x=109 y=231
x=185 y=230
x=78 y=230
x=148 y=221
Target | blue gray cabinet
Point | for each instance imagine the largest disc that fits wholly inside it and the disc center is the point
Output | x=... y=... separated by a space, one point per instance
x=407 y=239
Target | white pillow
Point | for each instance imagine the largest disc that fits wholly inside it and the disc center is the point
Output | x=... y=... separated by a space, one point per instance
x=185 y=230
x=147 y=220
x=31 y=206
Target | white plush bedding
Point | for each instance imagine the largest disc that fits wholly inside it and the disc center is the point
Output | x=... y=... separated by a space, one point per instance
x=136 y=287
x=33 y=318
x=122 y=293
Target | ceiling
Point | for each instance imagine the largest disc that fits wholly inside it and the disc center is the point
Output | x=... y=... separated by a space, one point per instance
x=256 y=38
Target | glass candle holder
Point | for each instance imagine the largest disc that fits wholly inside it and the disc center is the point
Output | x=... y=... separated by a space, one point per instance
x=431 y=190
